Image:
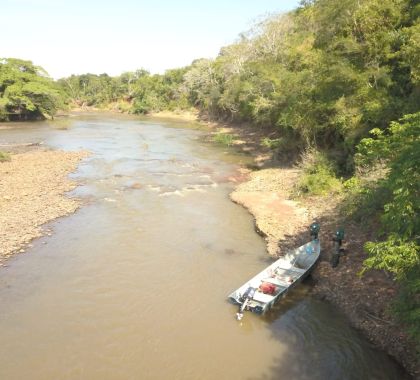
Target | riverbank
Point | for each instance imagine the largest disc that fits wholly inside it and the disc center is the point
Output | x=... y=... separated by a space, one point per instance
x=283 y=221
x=32 y=192
x=188 y=116
x=268 y=194
x=366 y=300
x=180 y=115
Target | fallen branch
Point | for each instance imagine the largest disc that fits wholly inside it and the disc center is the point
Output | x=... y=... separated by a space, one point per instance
x=378 y=319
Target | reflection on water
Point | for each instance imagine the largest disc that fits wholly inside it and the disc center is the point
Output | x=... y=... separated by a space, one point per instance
x=134 y=285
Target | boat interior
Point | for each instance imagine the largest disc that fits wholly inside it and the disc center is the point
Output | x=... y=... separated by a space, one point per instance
x=257 y=295
x=280 y=279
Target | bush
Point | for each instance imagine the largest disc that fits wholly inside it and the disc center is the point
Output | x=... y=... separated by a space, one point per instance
x=272 y=143
x=224 y=138
x=318 y=176
x=364 y=199
x=140 y=107
x=407 y=306
x=4 y=156
x=398 y=150
x=123 y=106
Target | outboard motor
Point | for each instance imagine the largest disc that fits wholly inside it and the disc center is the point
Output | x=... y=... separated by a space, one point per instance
x=314 y=230
x=338 y=241
x=249 y=293
x=245 y=298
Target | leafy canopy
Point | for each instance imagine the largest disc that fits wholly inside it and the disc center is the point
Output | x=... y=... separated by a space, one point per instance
x=26 y=91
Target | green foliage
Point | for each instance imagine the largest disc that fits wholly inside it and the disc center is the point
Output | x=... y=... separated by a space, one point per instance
x=407 y=306
x=224 y=138
x=330 y=71
x=285 y=147
x=394 y=255
x=323 y=75
x=397 y=150
x=94 y=90
x=123 y=106
x=136 y=92
x=272 y=143
x=364 y=200
x=4 y=156
x=318 y=176
x=26 y=92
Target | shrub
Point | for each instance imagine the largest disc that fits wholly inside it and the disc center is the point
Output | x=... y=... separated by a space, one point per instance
x=318 y=176
x=4 y=156
x=398 y=150
x=123 y=106
x=407 y=306
x=272 y=143
x=224 y=138
x=364 y=199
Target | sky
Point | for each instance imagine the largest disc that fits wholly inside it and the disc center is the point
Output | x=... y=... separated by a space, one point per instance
x=113 y=36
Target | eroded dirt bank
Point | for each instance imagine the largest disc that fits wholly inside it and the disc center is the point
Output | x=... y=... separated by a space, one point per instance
x=32 y=188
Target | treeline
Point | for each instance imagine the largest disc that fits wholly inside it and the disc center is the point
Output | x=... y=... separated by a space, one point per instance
x=136 y=92
x=324 y=76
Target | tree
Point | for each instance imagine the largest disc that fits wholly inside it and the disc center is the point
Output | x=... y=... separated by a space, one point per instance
x=398 y=151
x=26 y=91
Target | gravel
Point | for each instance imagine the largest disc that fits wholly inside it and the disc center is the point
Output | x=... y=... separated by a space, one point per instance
x=32 y=188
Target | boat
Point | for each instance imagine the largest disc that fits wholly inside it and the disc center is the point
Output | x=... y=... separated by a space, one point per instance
x=260 y=293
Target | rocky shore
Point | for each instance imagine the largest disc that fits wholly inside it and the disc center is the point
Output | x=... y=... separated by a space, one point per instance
x=32 y=192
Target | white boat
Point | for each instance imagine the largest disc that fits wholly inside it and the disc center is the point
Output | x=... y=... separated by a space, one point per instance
x=262 y=291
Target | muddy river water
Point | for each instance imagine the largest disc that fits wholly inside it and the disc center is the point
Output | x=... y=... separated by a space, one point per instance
x=134 y=284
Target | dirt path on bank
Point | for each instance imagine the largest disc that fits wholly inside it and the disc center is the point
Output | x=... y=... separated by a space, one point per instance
x=32 y=188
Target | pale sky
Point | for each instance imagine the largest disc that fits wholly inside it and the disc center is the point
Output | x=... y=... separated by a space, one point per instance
x=78 y=36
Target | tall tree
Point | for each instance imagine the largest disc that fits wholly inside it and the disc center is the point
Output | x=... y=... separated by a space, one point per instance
x=26 y=91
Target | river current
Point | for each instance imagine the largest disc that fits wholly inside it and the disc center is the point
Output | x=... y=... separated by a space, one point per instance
x=134 y=285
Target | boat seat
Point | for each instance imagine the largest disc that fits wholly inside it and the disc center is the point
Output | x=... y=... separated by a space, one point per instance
x=293 y=269
x=299 y=270
x=276 y=281
x=261 y=297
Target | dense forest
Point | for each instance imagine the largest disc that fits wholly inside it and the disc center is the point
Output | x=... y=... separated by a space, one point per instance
x=339 y=79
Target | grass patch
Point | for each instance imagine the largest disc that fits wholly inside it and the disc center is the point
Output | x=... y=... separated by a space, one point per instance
x=224 y=139
x=4 y=157
x=272 y=143
x=123 y=106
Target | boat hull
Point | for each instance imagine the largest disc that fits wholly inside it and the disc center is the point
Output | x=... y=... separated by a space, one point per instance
x=275 y=281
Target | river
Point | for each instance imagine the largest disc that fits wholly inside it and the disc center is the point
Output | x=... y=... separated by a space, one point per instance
x=134 y=285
